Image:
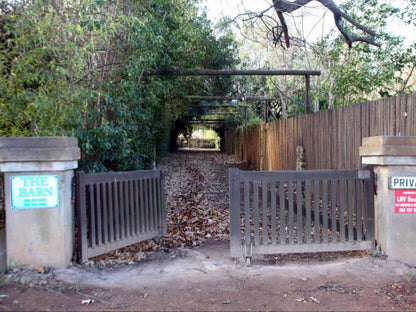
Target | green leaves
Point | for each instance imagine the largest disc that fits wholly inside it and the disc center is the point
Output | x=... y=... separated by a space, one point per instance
x=76 y=68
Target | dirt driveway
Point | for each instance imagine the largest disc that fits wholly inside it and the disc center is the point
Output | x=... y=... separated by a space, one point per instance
x=176 y=276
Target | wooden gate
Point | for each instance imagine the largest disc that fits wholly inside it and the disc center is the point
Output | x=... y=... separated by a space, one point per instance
x=301 y=211
x=115 y=210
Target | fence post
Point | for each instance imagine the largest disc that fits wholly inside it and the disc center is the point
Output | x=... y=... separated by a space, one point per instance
x=369 y=205
x=38 y=175
x=394 y=160
x=235 y=225
x=163 y=201
x=81 y=216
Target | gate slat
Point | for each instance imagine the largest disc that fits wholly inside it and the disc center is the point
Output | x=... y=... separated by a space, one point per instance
x=92 y=232
x=247 y=228
x=334 y=204
x=111 y=215
x=291 y=212
x=273 y=215
x=97 y=197
x=325 y=210
x=142 y=206
x=359 y=205
x=136 y=207
x=316 y=187
x=146 y=205
x=299 y=215
x=123 y=208
x=308 y=211
x=282 y=211
x=131 y=208
x=265 y=238
x=105 y=212
x=153 y=212
x=350 y=210
x=116 y=210
x=342 y=210
x=256 y=212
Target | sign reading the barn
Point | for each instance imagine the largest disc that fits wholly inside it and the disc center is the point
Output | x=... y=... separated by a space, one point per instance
x=405 y=201
x=34 y=191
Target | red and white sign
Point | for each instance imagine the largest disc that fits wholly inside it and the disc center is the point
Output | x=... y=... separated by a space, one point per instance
x=405 y=201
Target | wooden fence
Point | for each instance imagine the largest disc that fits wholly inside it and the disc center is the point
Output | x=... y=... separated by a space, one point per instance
x=331 y=138
x=118 y=209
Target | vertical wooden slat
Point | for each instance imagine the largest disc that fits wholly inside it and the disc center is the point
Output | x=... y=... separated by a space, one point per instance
x=136 y=206
x=299 y=214
x=124 y=207
x=325 y=210
x=151 y=214
x=117 y=217
x=342 y=210
x=316 y=197
x=142 y=206
x=308 y=211
x=265 y=238
x=247 y=227
x=282 y=209
x=105 y=211
x=97 y=196
x=334 y=188
x=93 y=229
x=131 y=208
x=273 y=215
x=359 y=207
x=111 y=216
x=350 y=192
x=146 y=205
x=256 y=212
x=291 y=212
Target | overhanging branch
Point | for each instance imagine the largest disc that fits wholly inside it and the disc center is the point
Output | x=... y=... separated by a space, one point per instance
x=282 y=6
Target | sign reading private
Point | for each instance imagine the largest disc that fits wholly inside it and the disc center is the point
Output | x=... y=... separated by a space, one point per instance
x=405 y=201
x=34 y=191
x=403 y=183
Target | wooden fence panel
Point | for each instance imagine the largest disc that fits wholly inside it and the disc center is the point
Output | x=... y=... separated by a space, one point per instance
x=331 y=138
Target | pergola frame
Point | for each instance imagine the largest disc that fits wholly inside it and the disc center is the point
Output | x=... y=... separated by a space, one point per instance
x=251 y=72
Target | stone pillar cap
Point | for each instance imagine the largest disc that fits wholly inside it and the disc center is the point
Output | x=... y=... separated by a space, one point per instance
x=389 y=150
x=39 y=149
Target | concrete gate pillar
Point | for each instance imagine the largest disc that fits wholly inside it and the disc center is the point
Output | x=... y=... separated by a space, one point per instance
x=38 y=174
x=394 y=160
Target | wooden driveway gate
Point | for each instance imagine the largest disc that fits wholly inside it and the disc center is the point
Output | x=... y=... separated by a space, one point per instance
x=301 y=211
x=115 y=210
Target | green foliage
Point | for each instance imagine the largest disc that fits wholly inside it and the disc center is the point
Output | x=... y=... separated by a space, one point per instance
x=76 y=68
x=364 y=72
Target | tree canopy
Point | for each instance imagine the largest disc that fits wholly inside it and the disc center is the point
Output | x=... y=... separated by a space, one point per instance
x=76 y=68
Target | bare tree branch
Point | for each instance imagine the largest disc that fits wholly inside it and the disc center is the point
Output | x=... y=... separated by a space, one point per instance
x=282 y=6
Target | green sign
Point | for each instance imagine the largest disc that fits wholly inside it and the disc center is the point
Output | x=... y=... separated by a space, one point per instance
x=35 y=191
